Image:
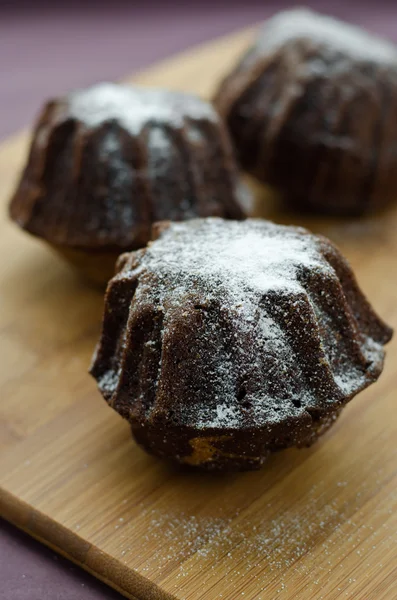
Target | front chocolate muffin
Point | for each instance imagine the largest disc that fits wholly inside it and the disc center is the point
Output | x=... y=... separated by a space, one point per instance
x=223 y=341
x=107 y=161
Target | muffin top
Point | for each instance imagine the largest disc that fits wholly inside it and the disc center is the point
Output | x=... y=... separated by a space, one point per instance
x=303 y=24
x=134 y=106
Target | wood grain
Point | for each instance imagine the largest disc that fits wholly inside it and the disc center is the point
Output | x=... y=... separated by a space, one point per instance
x=316 y=523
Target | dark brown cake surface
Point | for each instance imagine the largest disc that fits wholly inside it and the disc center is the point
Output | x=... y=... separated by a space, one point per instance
x=224 y=341
x=107 y=161
x=311 y=109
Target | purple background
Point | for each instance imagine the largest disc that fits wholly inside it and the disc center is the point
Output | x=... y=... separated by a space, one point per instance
x=46 y=50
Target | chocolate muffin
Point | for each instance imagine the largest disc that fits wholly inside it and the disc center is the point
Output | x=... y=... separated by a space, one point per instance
x=224 y=341
x=311 y=108
x=108 y=161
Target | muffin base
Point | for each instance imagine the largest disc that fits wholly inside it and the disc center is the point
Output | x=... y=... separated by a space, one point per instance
x=232 y=450
x=96 y=266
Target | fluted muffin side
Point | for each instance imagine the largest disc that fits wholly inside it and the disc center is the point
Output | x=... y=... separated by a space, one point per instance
x=105 y=163
x=226 y=341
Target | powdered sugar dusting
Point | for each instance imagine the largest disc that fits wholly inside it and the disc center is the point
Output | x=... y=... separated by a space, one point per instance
x=348 y=381
x=133 y=107
x=337 y=35
x=225 y=416
x=249 y=258
x=108 y=381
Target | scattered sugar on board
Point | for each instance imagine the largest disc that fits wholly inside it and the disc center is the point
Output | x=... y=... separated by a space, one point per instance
x=269 y=548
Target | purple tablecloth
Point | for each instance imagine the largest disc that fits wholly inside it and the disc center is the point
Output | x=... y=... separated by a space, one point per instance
x=48 y=48
x=29 y=571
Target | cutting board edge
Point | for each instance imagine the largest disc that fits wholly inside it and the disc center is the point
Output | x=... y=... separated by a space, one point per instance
x=81 y=553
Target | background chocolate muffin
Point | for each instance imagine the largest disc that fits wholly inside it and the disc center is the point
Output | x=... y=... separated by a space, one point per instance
x=108 y=161
x=312 y=110
x=223 y=341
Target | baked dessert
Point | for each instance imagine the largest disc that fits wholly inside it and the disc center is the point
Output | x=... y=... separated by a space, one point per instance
x=223 y=341
x=311 y=110
x=107 y=161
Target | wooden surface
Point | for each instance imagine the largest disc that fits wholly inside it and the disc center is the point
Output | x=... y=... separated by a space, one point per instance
x=316 y=523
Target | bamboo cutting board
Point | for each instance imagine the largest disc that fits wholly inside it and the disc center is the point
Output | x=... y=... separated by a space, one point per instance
x=316 y=523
